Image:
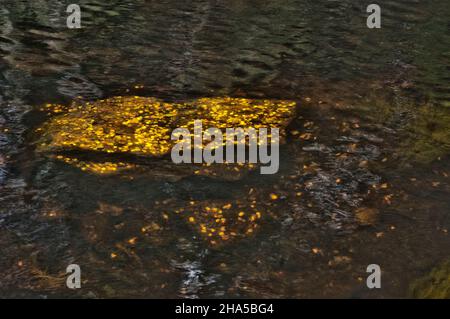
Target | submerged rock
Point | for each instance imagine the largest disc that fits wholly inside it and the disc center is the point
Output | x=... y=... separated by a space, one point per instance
x=435 y=285
x=123 y=132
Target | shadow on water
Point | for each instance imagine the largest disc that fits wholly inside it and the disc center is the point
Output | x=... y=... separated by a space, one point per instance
x=364 y=169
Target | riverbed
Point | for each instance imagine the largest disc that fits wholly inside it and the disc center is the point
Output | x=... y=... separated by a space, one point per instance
x=364 y=171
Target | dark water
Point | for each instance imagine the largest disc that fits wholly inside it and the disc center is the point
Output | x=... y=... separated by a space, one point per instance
x=364 y=173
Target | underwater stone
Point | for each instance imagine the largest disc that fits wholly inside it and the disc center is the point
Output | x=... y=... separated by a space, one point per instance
x=435 y=285
x=142 y=126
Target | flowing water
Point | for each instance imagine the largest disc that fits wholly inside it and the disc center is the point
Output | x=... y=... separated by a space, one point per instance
x=364 y=174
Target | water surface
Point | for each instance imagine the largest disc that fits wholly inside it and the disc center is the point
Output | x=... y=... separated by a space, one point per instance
x=364 y=170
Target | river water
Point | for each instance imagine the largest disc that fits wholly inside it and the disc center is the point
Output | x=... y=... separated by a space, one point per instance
x=364 y=176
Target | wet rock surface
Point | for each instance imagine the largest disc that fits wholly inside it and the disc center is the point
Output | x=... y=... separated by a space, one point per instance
x=132 y=132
